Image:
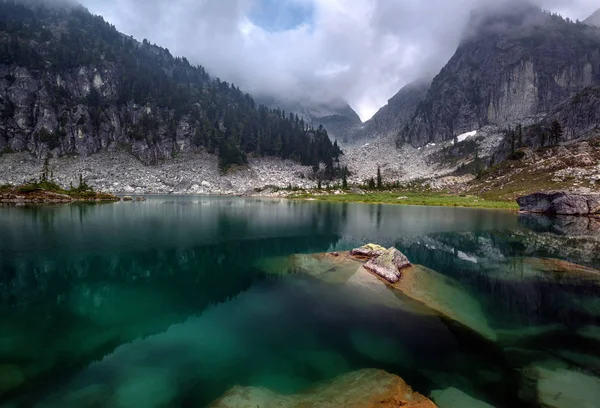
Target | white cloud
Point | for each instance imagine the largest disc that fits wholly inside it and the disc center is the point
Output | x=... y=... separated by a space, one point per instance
x=362 y=51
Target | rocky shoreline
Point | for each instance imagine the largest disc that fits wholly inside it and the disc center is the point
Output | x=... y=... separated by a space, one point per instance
x=17 y=196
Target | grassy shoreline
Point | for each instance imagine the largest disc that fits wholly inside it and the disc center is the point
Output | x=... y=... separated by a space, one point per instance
x=409 y=198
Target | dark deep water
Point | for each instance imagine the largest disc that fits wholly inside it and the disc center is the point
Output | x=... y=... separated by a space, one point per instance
x=164 y=303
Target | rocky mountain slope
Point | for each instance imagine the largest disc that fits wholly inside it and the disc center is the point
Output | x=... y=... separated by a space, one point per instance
x=391 y=119
x=70 y=83
x=512 y=67
x=594 y=19
x=337 y=117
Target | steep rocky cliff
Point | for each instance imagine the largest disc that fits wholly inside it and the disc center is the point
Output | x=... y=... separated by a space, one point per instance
x=594 y=19
x=72 y=84
x=579 y=115
x=391 y=119
x=512 y=66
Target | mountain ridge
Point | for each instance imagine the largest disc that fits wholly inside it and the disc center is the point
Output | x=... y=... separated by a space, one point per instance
x=507 y=77
x=70 y=83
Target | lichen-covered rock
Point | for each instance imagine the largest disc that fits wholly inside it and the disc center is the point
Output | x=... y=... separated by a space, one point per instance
x=560 y=203
x=360 y=389
x=368 y=251
x=388 y=265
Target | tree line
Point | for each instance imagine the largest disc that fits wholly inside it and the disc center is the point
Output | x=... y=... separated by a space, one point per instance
x=51 y=40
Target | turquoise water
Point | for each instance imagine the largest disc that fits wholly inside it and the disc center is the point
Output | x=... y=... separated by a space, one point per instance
x=166 y=303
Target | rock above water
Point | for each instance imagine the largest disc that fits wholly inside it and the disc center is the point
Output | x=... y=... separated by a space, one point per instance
x=388 y=265
x=127 y=198
x=368 y=251
x=561 y=203
x=360 y=389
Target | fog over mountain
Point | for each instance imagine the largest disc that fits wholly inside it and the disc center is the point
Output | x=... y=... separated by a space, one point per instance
x=361 y=51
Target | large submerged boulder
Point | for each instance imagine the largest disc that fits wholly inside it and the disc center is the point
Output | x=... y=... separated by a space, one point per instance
x=455 y=398
x=359 y=389
x=557 y=387
x=561 y=203
x=388 y=265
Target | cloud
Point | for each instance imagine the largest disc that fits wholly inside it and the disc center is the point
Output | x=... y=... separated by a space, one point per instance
x=361 y=51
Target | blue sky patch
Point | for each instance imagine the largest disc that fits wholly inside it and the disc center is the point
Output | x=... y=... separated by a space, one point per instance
x=281 y=15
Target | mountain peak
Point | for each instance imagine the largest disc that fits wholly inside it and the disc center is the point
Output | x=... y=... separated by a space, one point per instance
x=594 y=19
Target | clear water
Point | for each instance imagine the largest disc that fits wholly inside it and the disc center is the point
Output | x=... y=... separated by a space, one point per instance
x=163 y=303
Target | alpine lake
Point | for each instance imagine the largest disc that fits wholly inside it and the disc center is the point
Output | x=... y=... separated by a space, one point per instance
x=177 y=301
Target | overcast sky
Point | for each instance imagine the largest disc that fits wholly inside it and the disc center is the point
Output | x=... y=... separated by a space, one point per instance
x=361 y=51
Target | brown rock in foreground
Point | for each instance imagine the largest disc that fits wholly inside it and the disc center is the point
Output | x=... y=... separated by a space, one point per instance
x=561 y=203
x=367 y=388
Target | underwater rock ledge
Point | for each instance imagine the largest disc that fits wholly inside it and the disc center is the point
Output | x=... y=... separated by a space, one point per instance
x=367 y=388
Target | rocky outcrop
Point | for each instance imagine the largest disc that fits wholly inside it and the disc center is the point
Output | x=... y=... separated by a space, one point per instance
x=579 y=115
x=560 y=203
x=366 y=388
x=368 y=251
x=514 y=65
x=388 y=265
x=439 y=294
x=391 y=119
x=594 y=19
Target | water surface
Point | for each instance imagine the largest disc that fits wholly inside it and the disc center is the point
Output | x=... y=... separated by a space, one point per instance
x=164 y=303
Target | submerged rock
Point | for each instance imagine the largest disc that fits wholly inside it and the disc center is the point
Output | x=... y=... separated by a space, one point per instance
x=368 y=251
x=360 y=389
x=561 y=203
x=388 y=265
x=455 y=398
x=11 y=377
x=559 y=388
x=561 y=270
x=445 y=296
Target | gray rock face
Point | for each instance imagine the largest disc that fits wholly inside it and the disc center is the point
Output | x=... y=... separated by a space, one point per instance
x=579 y=115
x=516 y=74
x=594 y=19
x=561 y=203
x=388 y=265
x=30 y=116
x=391 y=119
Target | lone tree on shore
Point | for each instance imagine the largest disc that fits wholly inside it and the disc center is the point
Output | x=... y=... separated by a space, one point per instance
x=379 y=179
